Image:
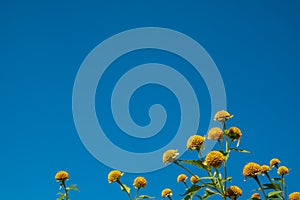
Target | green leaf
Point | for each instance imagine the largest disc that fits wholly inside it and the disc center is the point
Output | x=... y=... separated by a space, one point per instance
x=277 y=179
x=61 y=196
x=197 y=163
x=274 y=186
x=144 y=197
x=192 y=190
x=226 y=179
x=274 y=194
x=239 y=150
x=127 y=189
x=73 y=187
x=208 y=193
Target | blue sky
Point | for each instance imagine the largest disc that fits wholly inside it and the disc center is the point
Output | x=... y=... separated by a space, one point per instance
x=255 y=45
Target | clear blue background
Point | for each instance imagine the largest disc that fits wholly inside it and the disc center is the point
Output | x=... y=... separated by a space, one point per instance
x=255 y=45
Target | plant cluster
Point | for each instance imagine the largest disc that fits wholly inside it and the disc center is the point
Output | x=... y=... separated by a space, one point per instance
x=216 y=182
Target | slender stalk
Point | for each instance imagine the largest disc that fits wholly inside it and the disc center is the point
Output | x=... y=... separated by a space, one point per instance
x=258 y=182
x=200 y=154
x=169 y=197
x=227 y=152
x=219 y=181
x=66 y=190
x=137 y=193
x=284 y=193
x=185 y=184
x=183 y=167
x=268 y=176
x=125 y=189
x=220 y=144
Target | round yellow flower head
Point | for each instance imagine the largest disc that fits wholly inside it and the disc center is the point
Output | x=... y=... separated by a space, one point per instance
x=114 y=176
x=181 y=178
x=251 y=169
x=255 y=196
x=61 y=176
x=294 y=196
x=222 y=116
x=282 y=170
x=195 y=142
x=194 y=179
x=214 y=159
x=166 y=193
x=274 y=162
x=170 y=156
x=233 y=192
x=265 y=169
x=139 y=182
x=215 y=133
x=235 y=133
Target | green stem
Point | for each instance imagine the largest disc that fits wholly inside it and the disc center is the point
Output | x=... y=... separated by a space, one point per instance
x=185 y=184
x=284 y=193
x=200 y=155
x=183 y=167
x=186 y=169
x=220 y=144
x=268 y=176
x=169 y=197
x=66 y=190
x=124 y=188
x=214 y=183
x=258 y=182
x=137 y=193
x=219 y=181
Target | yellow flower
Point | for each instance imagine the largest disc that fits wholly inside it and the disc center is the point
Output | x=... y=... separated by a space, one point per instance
x=222 y=116
x=195 y=142
x=282 y=170
x=214 y=159
x=251 y=169
x=139 y=182
x=265 y=169
x=62 y=176
x=170 y=156
x=235 y=133
x=233 y=192
x=255 y=196
x=166 y=193
x=194 y=179
x=294 y=196
x=181 y=178
x=274 y=162
x=215 y=133
x=114 y=176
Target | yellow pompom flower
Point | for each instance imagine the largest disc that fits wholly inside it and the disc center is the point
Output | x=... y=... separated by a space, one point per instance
x=274 y=162
x=166 y=193
x=170 y=156
x=139 y=182
x=215 y=133
x=294 y=196
x=265 y=169
x=233 y=192
x=255 y=196
x=251 y=170
x=222 y=116
x=234 y=133
x=194 y=179
x=195 y=142
x=181 y=178
x=114 y=176
x=214 y=159
x=61 y=176
x=282 y=170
